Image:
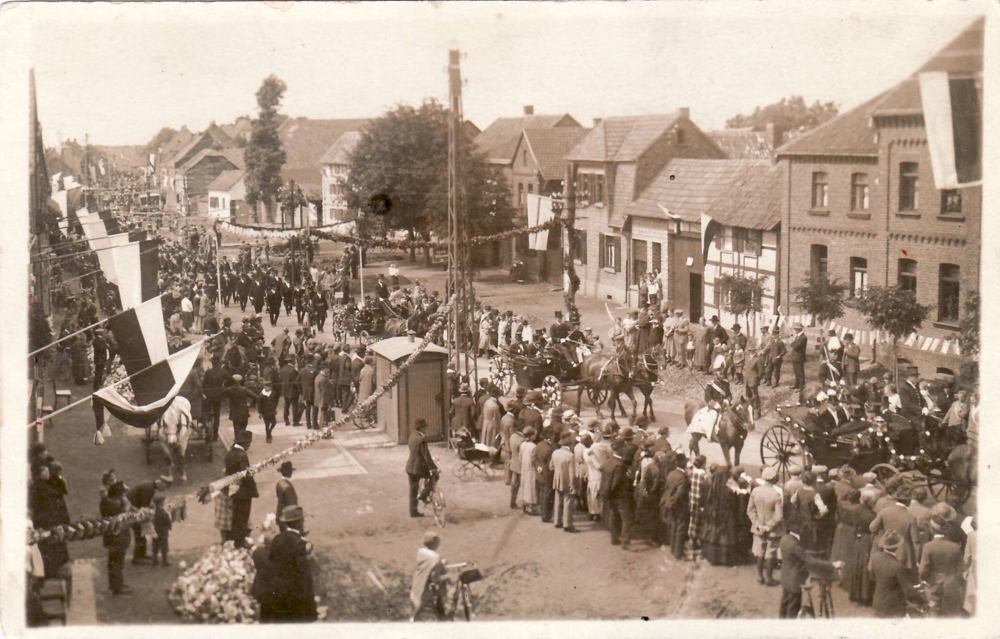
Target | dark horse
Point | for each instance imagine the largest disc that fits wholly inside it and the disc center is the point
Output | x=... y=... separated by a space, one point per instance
x=735 y=421
x=602 y=371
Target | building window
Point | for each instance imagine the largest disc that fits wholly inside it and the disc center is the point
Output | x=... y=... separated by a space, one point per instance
x=681 y=136
x=817 y=260
x=859 y=276
x=820 y=193
x=951 y=202
x=520 y=194
x=531 y=188
x=333 y=189
x=907 y=276
x=638 y=260
x=859 y=192
x=581 y=246
x=948 y=292
x=657 y=257
x=213 y=202
x=908 y=182
x=600 y=189
x=611 y=252
x=747 y=241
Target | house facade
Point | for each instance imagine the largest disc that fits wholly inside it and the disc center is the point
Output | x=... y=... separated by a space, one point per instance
x=336 y=163
x=623 y=232
x=173 y=188
x=862 y=206
x=227 y=195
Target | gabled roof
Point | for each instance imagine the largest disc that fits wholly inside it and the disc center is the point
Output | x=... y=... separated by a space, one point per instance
x=305 y=141
x=743 y=143
x=226 y=180
x=752 y=200
x=235 y=155
x=217 y=140
x=550 y=146
x=622 y=139
x=853 y=133
x=174 y=144
x=686 y=188
x=340 y=152
x=233 y=158
x=308 y=179
x=498 y=141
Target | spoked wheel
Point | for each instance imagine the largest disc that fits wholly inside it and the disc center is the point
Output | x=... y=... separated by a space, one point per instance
x=437 y=503
x=365 y=420
x=781 y=450
x=946 y=491
x=552 y=390
x=884 y=472
x=466 y=595
x=501 y=374
x=597 y=395
x=485 y=470
x=462 y=471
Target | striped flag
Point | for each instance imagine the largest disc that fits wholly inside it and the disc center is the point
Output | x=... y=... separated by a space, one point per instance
x=953 y=120
x=137 y=271
x=945 y=346
x=911 y=340
x=155 y=387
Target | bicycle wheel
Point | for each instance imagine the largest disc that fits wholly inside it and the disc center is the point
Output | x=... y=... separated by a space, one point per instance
x=826 y=605
x=437 y=503
x=484 y=470
x=467 y=602
x=63 y=369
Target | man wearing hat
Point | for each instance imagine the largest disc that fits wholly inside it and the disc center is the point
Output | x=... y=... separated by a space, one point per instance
x=764 y=343
x=765 y=510
x=753 y=373
x=776 y=357
x=897 y=517
x=307 y=391
x=284 y=489
x=291 y=596
x=530 y=414
x=617 y=495
x=419 y=465
x=795 y=566
x=239 y=411
x=852 y=360
x=288 y=378
x=117 y=539
x=941 y=566
x=463 y=411
x=894 y=580
x=562 y=466
x=909 y=397
x=798 y=356
x=243 y=494
x=541 y=458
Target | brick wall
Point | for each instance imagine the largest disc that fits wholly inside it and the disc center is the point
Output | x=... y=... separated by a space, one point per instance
x=883 y=234
x=651 y=162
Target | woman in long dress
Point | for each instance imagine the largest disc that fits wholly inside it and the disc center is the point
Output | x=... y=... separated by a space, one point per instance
x=527 y=495
x=718 y=539
x=702 y=340
x=595 y=456
x=845 y=546
x=862 y=585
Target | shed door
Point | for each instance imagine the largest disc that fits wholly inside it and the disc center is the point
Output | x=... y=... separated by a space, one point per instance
x=425 y=396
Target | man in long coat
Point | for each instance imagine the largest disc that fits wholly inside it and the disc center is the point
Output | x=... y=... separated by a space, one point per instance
x=420 y=465
x=491 y=417
x=242 y=496
x=563 y=467
x=290 y=586
x=766 y=514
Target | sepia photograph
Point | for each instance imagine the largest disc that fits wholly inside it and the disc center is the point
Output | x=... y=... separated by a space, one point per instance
x=473 y=312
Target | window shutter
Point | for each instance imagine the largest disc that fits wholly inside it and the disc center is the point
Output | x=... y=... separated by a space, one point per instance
x=618 y=254
x=601 y=248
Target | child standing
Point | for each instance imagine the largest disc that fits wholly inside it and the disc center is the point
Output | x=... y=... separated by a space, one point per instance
x=737 y=365
x=690 y=351
x=161 y=524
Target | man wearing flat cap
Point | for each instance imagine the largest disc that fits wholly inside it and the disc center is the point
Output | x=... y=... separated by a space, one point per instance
x=239 y=411
x=290 y=586
x=562 y=466
x=242 y=494
x=463 y=411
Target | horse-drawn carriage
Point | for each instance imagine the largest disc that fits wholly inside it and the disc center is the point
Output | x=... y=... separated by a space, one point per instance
x=367 y=327
x=547 y=370
x=929 y=454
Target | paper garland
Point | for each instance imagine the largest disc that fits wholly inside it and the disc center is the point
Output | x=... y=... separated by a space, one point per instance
x=211 y=491
x=90 y=528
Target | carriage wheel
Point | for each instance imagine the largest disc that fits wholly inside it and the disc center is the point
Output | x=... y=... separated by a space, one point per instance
x=501 y=374
x=598 y=395
x=463 y=471
x=884 y=472
x=552 y=390
x=780 y=449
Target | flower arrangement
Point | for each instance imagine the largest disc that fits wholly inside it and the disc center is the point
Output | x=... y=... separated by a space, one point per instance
x=216 y=589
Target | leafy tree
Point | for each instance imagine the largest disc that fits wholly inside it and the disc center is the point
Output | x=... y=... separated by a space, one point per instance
x=894 y=310
x=399 y=173
x=742 y=295
x=821 y=297
x=789 y=114
x=968 y=340
x=264 y=155
x=161 y=138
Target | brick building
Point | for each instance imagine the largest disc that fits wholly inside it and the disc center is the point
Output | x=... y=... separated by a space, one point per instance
x=862 y=206
x=622 y=181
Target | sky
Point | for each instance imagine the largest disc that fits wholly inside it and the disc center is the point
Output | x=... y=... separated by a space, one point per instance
x=121 y=72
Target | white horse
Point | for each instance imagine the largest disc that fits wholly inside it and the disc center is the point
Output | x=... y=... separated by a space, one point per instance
x=171 y=433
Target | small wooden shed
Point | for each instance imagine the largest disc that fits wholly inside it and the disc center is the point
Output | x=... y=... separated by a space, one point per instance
x=421 y=392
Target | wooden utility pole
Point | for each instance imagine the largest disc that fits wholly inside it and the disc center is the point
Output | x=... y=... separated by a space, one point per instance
x=460 y=332
x=570 y=279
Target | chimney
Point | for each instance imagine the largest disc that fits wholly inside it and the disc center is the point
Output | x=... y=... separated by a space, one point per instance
x=685 y=112
x=529 y=109
x=597 y=121
x=410 y=336
x=773 y=135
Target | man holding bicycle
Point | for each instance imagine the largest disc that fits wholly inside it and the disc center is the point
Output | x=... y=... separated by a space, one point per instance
x=419 y=466
x=796 y=565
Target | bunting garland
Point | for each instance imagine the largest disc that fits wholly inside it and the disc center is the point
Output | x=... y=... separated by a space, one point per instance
x=91 y=528
x=213 y=490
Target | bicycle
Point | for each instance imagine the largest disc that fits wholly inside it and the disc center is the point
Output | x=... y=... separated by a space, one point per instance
x=468 y=574
x=924 y=607
x=366 y=419
x=823 y=582
x=435 y=497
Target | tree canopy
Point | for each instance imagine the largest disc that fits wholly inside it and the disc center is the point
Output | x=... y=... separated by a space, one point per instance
x=161 y=138
x=789 y=114
x=264 y=155
x=968 y=338
x=821 y=297
x=741 y=293
x=399 y=172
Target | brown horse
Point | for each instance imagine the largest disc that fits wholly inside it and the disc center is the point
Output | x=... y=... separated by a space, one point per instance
x=735 y=421
x=602 y=371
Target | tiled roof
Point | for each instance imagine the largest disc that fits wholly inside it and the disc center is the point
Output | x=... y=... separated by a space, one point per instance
x=752 y=200
x=498 y=141
x=624 y=186
x=181 y=139
x=235 y=155
x=742 y=143
x=340 y=152
x=695 y=186
x=550 y=146
x=308 y=179
x=305 y=141
x=622 y=139
x=226 y=180
x=853 y=133
x=236 y=159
